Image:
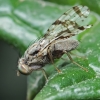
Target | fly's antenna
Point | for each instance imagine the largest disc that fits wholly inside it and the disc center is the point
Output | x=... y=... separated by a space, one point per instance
x=18 y=73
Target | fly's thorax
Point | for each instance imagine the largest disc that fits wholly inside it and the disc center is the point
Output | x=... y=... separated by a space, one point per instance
x=31 y=53
x=44 y=42
x=33 y=49
x=36 y=49
x=40 y=60
x=36 y=53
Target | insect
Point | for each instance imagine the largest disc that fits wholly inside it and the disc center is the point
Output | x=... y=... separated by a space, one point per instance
x=56 y=42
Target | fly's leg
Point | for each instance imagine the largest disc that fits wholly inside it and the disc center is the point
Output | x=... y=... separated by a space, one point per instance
x=74 y=61
x=50 y=55
x=83 y=57
x=45 y=75
x=44 y=72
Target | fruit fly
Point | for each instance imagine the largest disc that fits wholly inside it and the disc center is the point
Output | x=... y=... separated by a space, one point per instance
x=56 y=42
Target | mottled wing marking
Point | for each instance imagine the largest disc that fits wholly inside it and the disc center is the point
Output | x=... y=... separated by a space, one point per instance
x=68 y=24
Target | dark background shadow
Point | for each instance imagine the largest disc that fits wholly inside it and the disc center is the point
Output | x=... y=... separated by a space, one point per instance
x=12 y=87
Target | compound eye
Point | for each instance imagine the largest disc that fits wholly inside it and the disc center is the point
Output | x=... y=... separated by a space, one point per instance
x=23 y=69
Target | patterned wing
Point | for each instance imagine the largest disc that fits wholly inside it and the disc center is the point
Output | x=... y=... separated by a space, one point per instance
x=68 y=24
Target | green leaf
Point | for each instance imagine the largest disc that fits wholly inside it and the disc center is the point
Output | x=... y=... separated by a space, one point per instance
x=12 y=29
x=94 y=5
x=88 y=89
x=23 y=21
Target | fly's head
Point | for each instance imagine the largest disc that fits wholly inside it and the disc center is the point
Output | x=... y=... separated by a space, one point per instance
x=23 y=68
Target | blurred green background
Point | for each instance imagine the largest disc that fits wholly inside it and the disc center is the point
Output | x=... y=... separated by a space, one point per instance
x=22 y=22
